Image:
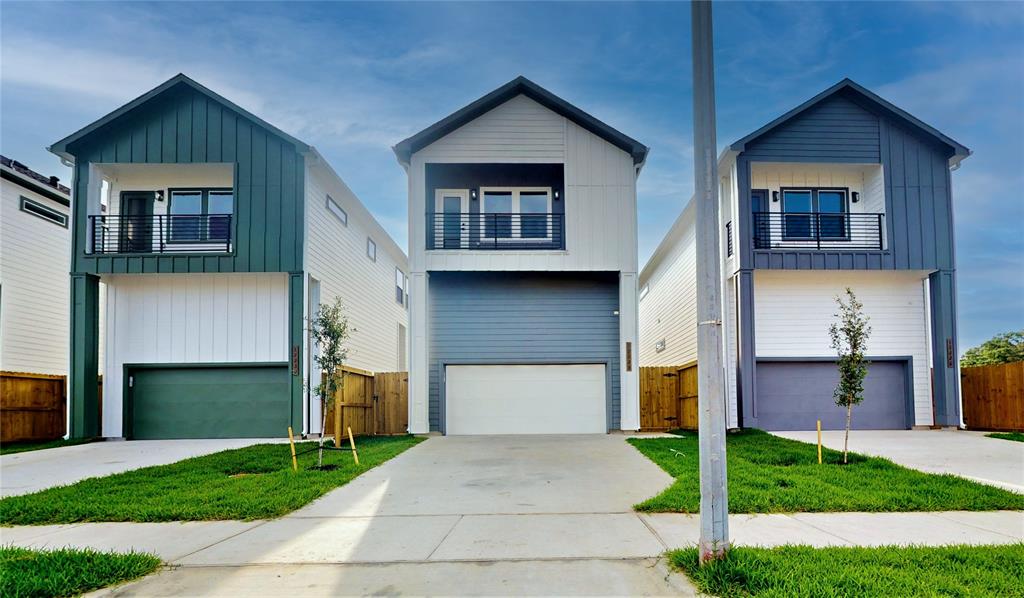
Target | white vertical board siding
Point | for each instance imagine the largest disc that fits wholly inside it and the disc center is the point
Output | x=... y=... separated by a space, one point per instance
x=629 y=380
x=729 y=344
x=669 y=309
x=600 y=190
x=793 y=311
x=190 y=318
x=336 y=256
x=34 y=286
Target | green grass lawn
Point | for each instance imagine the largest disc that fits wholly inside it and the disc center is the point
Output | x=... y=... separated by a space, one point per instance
x=768 y=474
x=23 y=447
x=801 y=571
x=1015 y=436
x=67 y=572
x=254 y=482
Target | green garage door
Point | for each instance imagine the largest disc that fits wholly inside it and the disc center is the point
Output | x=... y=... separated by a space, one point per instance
x=210 y=402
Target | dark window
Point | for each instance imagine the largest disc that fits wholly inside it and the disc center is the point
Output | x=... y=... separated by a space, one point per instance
x=498 y=210
x=814 y=213
x=400 y=286
x=200 y=215
x=37 y=209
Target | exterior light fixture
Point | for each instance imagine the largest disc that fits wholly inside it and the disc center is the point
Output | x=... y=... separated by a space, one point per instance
x=472 y=194
x=556 y=194
x=775 y=196
x=855 y=196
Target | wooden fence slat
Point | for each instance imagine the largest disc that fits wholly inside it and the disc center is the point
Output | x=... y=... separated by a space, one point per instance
x=993 y=396
x=33 y=407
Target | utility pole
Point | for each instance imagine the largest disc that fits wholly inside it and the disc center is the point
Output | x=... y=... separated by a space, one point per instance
x=714 y=507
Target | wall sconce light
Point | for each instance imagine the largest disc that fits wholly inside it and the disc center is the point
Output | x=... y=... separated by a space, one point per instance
x=556 y=194
x=472 y=194
x=855 y=196
x=775 y=196
x=159 y=195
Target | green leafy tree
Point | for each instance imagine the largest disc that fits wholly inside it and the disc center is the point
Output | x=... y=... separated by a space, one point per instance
x=330 y=330
x=849 y=338
x=1007 y=347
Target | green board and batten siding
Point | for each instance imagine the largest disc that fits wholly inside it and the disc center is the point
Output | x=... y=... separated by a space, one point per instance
x=182 y=123
x=184 y=126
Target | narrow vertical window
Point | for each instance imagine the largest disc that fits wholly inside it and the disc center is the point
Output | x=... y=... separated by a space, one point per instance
x=371 y=249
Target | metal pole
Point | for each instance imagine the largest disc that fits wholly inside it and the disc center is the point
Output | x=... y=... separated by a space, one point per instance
x=714 y=510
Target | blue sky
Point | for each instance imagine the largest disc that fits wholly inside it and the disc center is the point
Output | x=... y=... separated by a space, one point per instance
x=353 y=79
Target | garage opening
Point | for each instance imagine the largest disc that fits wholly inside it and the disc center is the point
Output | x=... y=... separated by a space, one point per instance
x=526 y=399
x=209 y=402
x=793 y=395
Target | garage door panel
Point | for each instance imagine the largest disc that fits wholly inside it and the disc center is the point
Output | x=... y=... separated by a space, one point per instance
x=794 y=395
x=526 y=399
x=210 y=402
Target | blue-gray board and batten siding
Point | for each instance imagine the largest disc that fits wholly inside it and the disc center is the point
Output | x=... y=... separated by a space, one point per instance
x=847 y=124
x=510 y=318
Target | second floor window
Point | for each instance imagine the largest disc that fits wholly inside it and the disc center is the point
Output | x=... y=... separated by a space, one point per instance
x=814 y=213
x=400 y=283
x=516 y=213
x=200 y=215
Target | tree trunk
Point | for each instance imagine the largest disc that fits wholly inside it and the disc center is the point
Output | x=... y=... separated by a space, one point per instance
x=323 y=430
x=846 y=440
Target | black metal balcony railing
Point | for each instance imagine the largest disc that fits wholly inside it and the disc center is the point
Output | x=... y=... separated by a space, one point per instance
x=496 y=231
x=176 y=233
x=818 y=230
x=728 y=238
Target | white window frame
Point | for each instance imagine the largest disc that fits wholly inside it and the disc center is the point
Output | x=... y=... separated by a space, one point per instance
x=401 y=280
x=516 y=211
x=371 y=249
x=339 y=212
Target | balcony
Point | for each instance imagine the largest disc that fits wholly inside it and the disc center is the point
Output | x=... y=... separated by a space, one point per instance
x=496 y=232
x=818 y=231
x=122 y=234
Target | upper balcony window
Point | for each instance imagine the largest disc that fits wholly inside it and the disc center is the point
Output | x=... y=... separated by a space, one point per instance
x=517 y=214
x=495 y=218
x=200 y=215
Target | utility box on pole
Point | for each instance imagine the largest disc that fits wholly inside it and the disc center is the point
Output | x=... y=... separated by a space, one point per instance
x=714 y=510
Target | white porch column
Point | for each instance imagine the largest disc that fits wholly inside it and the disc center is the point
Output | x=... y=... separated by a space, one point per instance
x=629 y=366
x=419 y=371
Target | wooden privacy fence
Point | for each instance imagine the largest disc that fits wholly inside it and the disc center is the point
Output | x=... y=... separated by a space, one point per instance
x=33 y=407
x=993 y=396
x=370 y=403
x=668 y=397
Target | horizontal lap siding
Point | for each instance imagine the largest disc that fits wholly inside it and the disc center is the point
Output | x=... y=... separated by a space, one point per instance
x=835 y=130
x=184 y=126
x=522 y=317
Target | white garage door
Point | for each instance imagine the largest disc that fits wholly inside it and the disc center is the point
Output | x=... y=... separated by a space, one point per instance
x=525 y=399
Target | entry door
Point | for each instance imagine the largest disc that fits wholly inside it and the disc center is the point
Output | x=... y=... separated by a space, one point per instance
x=452 y=232
x=135 y=232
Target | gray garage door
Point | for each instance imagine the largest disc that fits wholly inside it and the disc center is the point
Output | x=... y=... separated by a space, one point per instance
x=794 y=395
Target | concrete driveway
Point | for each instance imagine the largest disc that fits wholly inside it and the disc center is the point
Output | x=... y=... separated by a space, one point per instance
x=23 y=473
x=964 y=453
x=497 y=515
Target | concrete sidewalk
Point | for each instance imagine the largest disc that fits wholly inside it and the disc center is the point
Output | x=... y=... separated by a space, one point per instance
x=474 y=538
x=24 y=473
x=964 y=453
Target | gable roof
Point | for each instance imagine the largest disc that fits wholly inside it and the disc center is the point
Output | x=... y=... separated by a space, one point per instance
x=876 y=103
x=61 y=147
x=519 y=86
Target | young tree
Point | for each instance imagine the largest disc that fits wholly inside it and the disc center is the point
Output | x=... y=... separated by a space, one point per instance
x=849 y=337
x=330 y=330
x=1001 y=348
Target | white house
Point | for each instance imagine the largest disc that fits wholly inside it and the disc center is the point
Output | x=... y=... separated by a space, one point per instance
x=216 y=235
x=523 y=259
x=845 y=190
x=35 y=250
